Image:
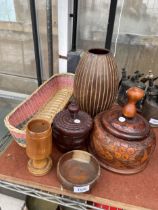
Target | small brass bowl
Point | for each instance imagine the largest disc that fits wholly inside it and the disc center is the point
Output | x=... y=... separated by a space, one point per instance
x=78 y=171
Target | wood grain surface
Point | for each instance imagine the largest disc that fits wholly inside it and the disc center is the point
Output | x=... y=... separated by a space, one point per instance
x=132 y=192
x=96 y=82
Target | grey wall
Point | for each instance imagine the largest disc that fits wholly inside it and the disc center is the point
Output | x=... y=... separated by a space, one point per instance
x=17 y=60
x=138 y=40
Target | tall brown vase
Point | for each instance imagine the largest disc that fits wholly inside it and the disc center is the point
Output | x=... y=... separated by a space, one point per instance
x=96 y=81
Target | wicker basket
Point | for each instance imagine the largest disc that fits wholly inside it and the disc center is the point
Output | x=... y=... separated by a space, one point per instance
x=50 y=98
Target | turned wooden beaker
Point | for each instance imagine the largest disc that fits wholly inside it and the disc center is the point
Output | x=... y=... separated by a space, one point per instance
x=39 y=146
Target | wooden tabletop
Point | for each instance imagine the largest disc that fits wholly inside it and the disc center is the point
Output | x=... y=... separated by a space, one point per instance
x=122 y=191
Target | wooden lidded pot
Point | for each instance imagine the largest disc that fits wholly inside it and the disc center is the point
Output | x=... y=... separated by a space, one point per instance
x=122 y=140
x=71 y=128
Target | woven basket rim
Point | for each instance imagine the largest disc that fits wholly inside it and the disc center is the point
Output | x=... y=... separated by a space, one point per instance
x=6 y=119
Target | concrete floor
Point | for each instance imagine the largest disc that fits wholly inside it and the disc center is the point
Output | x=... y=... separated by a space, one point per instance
x=10 y=203
x=6 y=105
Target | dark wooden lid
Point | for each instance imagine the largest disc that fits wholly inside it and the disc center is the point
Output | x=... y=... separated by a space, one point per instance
x=135 y=128
x=72 y=121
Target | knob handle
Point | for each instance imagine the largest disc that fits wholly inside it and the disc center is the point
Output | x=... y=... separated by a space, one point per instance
x=73 y=109
x=134 y=94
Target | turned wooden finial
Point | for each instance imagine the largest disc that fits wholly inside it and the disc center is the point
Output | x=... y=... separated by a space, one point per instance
x=134 y=94
x=73 y=109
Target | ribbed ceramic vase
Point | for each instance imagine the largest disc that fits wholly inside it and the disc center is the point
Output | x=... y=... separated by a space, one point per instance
x=96 y=81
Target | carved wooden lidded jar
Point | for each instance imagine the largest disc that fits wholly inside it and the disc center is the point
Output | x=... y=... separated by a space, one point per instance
x=96 y=81
x=122 y=140
x=71 y=128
